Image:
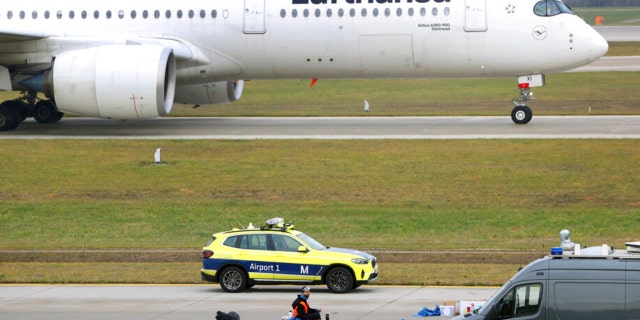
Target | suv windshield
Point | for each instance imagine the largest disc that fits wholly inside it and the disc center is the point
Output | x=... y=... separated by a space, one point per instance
x=311 y=242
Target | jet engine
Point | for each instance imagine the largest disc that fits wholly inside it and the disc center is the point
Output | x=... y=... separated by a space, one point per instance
x=210 y=93
x=114 y=81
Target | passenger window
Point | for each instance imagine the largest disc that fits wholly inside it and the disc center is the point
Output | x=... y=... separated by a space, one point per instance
x=145 y=14
x=318 y=13
x=22 y=14
x=352 y=12
x=329 y=13
x=294 y=13
x=9 y=15
x=387 y=12
x=340 y=12
x=108 y=14
x=231 y=242
x=133 y=14
x=399 y=12
x=84 y=14
x=72 y=14
x=283 y=13
x=168 y=14
x=521 y=301
x=203 y=14
x=191 y=14
x=447 y=11
x=96 y=14
x=305 y=13
x=59 y=14
x=34 y=14
x=285 y=243
x=47 y=14
x=156 y=14
x=375 y=12
x=434 y=12
x=423 y=12
x=214 y=13
x=257 y=242
x=364 y=12
x=410 y=12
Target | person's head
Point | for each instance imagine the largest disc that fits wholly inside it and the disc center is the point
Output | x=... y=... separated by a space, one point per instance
x=305 y=291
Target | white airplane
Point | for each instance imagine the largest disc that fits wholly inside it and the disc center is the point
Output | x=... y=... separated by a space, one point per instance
x=134 y=59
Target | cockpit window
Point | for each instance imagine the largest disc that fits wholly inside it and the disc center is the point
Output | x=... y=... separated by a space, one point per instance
x=550 y=8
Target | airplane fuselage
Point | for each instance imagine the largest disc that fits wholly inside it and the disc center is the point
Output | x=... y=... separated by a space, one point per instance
x=259 y=39
x=204 y=48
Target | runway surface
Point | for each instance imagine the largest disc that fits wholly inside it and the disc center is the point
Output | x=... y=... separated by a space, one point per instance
x=619 y=33
x=541 y=127
x=199 y=302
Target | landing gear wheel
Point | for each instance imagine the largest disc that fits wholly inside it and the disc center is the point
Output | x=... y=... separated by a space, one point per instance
x=8 y=120
x=58 y=116
x=45 y=112
x=339 y=280
x=521 y=114
x=233 y=279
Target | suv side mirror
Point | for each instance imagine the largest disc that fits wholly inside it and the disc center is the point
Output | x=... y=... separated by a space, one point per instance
x=303 y=249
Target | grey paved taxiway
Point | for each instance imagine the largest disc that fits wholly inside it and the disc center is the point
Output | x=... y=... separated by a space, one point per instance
x=541 y=127
x=200 y=302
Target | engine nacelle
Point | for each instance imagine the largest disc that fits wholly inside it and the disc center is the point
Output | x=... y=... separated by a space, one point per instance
x=115 y=81
x=210 y=93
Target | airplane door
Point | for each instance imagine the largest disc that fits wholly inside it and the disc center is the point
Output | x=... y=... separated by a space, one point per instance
x=254 y=21
x=475 y=16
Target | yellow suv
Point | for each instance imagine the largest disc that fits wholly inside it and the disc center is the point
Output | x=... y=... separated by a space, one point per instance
x=276 y=253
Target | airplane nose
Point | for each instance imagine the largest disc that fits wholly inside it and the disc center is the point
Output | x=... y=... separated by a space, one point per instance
x=599 y=46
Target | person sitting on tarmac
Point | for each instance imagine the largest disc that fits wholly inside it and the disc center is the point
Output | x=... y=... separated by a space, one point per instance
x=301 y=309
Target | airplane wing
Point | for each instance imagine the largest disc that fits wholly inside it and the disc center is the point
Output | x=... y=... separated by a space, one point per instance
x=182 y=50
x=13 y=36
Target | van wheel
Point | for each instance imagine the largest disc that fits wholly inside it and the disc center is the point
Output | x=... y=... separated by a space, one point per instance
x=233 y=279
x=339 y=280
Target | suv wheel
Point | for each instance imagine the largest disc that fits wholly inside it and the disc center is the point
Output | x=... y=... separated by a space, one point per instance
x=339 y=280
x=233 y=279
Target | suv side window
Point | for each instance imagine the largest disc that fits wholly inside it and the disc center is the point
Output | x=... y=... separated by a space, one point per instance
x=251 y=242
x=285 y=243
x=257 y=241
x=522 y=301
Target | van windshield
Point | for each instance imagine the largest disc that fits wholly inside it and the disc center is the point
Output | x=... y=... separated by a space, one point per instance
x=487 y=305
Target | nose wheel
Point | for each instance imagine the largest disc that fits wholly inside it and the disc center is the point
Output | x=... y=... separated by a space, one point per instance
x=521 y=114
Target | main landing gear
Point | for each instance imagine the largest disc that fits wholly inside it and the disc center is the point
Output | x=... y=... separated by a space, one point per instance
x=521 y=114
x=14 y=112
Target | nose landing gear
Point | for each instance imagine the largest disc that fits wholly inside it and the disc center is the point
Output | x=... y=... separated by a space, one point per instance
x=521 y=113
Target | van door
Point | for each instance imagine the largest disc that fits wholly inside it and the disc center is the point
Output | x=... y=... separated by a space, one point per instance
x=524 y=301
x=254 y=17
x=633 y=289
x=475 y=16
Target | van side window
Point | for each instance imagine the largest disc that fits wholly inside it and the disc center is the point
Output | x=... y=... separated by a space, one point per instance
x=592 y=300
x=522 y=301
